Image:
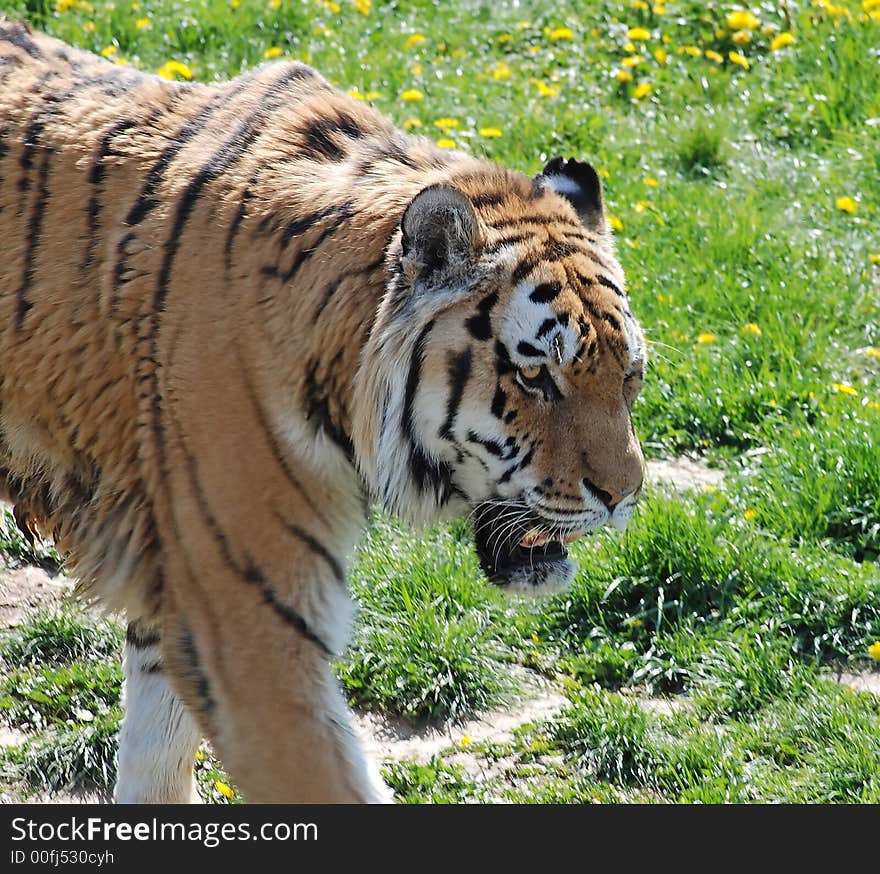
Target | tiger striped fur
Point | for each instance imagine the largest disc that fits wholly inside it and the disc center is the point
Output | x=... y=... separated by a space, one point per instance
x=234 y=313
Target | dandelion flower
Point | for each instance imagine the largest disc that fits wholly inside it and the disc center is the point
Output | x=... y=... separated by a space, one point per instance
x=447 y=123
x=490 y=133
x=712 y=55
x=412 y=95
x=661 y=56
x=651 y=182
x=174 y=70
x=705 y=338
x=638 y=34
x=615 y=222
x=632 y=61
x=505 y=38
x=742 y=37
x=142 y=23
x=415 y=40
x=742 y=19
x=643 y=89
x=874 y=259
x=750 y=514
x=110 y=50
x=465 y=742
x=624 y=76
x=752 y=328
x=446 y=144
x=693 y=51
x=780 y=41
x=362 y=6
x=546 y=90
x=846 y=204
x=561 y=33
x=273 y=52
x=738 y=59
x=223 y=789
x=874 y=650
x=842 y=388
x=411 y=124
x=872 y=352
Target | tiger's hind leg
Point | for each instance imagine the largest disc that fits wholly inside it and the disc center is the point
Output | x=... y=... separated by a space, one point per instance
x=159 y=737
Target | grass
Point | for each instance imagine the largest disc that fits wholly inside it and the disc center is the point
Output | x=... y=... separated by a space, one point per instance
x=760 y=296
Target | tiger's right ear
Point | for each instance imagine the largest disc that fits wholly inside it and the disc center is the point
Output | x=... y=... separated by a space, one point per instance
x=578 y=182
x=440 y=231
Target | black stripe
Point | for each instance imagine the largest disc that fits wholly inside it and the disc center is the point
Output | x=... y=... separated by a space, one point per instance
x=546 y=326
x=141 y=636
x=317 y=407
x=499 y=401
x=189 y=656
x=480 y=325
x=545 y=292
x=459 y=372
x=488 y=198
x=497 y=245
x=235 y=226
x=19 y=36
x=493 y=447
x=316 y=546
x=529 y=351
x=96 y=176
x=534 y=220
x=300 y=226
x=604 y=280
x=523 y=269
x=342 y=213
x=601 y=315
x=35 y=229
x=318 y=142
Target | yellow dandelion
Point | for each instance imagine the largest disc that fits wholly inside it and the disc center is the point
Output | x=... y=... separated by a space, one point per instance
x=874 y=650
x=235 y=3
x=415 y=40
x=638 y=34
x=142 y=23
x=874 y=258
x=742 y=37
x=535 y=638
x=615 y=222
x=709 y=488
x=561 y=33
x=651 y=182
x=738 y=59
x=546 y=90
x=781 y=40
x=659 y=9
x=873 y=405
x=742 y=19
x=629 y=47
x=335 y=8
x=693 y=51
x=842 y=388
x=412 y=124
x=322 y=30
x=412 y=95
x=362 y=6
x=872 y=352
x=447 y=123
x=374 y=95
x=175 y=70
x=846 y=204
x=624 y=76
x=90 y=26
x=110 y=50
x=446 y=143
x=505 y=38
x=490 y=133
x=705 y=338
x=200 y=756
x=643 y=89
x=465 y=742
x=120 y=61
x=416 y=69
x=749 y=515
x=752 y=328
x=501 y=72
x=632 y=61
x=274 y=4
x=661 y=56
x=870 y=5
x=223 y=789
x=640 y=5
x=712 y=55
x=273 y=52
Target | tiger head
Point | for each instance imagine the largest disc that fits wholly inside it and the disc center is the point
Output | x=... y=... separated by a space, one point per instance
x=501 y=370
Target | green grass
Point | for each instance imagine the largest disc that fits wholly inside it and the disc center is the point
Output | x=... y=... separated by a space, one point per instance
x=761 y=302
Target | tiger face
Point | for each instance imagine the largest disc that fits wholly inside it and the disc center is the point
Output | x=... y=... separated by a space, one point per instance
x=510 y=399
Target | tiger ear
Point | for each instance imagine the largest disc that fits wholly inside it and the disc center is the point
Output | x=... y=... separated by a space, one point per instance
x=578 y=182
x=440 y=230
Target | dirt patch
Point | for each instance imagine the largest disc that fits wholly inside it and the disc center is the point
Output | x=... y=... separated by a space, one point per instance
x=684 y=473
x=24 y=589
x=861 y=681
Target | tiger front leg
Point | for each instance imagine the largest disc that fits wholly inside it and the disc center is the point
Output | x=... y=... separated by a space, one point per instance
x=159 y=737
x=267 y=699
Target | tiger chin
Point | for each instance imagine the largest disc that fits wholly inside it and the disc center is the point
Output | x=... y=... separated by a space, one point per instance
x=234 y=314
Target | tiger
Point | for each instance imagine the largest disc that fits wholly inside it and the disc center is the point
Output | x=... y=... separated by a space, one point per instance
x=235 y=316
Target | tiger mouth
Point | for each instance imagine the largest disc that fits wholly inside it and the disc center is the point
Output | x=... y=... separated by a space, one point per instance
x=518 y=552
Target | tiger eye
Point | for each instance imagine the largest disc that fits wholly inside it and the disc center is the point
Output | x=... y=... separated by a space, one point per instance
x=530 y=372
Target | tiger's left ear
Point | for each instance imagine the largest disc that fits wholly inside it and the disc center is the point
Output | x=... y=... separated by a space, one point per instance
x=579 y=183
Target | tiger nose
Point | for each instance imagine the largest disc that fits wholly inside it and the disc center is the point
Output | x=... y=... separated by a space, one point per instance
x=609 y=498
